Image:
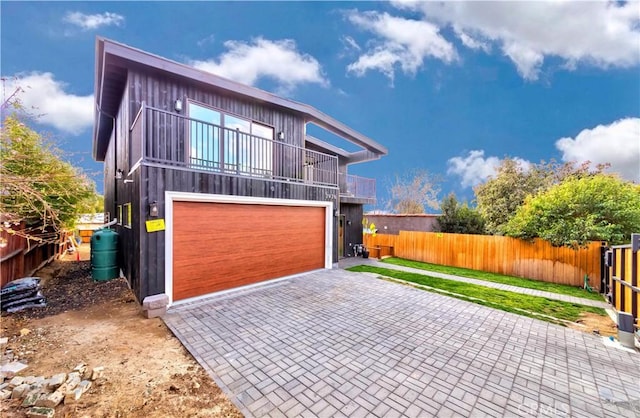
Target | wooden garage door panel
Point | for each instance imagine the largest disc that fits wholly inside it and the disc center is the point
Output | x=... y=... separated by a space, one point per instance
x=218 y=246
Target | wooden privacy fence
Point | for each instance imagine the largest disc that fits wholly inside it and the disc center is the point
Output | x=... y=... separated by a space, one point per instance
x=623 y=262
x=535 y=260
x=21 y=258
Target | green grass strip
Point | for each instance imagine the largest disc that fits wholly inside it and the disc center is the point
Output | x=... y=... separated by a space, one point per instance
x=498 y=278
x=500 y=299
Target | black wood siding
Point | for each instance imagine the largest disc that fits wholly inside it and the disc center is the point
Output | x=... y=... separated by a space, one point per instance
x=163 y=179
x=141 y=254
x=161 y=93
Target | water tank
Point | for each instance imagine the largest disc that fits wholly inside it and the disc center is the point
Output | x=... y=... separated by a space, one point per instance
x=104 y=255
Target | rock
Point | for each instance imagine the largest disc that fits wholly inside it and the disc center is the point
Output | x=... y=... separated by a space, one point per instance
x=31 y=398
x=56 y=381
x=19 y=391
x=85 y=385
x=16 y=381
x=80 y=368
x=51 y=400
x=97 y=372
x=24 y=331
x=72 y=381
x=4 y=341
x=4 y=386
x=72 y=396
x=11 y=369
x=7 y=356
x=35 y=380
x=5 y=394
x=40 y=412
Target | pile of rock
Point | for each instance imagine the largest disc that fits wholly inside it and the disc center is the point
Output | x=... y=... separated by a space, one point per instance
x=42 y=395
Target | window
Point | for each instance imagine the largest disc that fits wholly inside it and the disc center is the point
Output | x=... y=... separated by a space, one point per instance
x=204 y=136
x=119 y=215
x=223 y=142
x=127 y=215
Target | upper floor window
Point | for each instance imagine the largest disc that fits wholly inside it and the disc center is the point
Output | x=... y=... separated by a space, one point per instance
x=224 y=142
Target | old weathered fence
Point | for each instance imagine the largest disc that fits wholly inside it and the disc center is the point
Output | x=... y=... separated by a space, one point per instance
x=535 y=260
x=623 y=263
x=20 y=257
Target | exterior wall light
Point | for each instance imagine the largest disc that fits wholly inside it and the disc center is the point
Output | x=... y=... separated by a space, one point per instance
x=119 y=174
x=281 y=136
x=178 y=105
x=153 y=209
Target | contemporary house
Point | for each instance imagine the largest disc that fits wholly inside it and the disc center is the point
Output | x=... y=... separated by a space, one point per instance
x=216 y=184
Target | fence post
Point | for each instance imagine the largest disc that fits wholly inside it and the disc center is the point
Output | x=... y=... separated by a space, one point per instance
x=635 y=247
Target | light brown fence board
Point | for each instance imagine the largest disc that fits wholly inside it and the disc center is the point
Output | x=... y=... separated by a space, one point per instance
x=624 y=279
x=537 y=260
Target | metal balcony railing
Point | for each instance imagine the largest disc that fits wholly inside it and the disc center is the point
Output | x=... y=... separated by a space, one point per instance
x=168 y=138
x=356 y=186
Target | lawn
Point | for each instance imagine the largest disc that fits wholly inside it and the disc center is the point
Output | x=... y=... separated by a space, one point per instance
x=499 y=278
x=533 y=306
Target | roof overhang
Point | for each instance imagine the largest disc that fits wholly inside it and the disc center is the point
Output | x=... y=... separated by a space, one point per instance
x=114 y=59
x=346 y=156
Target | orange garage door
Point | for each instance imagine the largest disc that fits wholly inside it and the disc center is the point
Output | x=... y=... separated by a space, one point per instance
x=218 y=246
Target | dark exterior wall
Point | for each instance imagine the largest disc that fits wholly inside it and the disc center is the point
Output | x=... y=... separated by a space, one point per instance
x=353 y=226
x=161 y=92
x=118 y=192
x=141 y=254
x=168 y=179
x=393 y=224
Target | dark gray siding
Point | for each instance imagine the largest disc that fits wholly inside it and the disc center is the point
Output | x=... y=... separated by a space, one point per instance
x=162 y=93
x=118 y=193
x=141 y=254
x=168 y=179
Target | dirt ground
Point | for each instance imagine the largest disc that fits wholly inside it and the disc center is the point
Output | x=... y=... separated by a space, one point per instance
x=147 y=371
x=598 y=324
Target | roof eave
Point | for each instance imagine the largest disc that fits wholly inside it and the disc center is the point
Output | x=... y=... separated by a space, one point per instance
x=106 y=48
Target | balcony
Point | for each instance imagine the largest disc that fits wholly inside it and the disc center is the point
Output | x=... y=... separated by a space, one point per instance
x=356 y=189
x=170 y=139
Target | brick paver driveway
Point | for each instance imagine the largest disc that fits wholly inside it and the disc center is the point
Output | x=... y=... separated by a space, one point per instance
x=336 y=343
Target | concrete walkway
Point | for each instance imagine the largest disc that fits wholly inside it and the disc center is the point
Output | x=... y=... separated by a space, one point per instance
x=355 y=261
x=335 y=343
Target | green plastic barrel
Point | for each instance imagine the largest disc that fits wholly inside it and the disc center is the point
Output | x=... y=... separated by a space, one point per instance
x=104 y=255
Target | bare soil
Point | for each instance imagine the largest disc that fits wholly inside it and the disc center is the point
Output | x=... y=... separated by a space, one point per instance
x=596 y=324
x=148 y=373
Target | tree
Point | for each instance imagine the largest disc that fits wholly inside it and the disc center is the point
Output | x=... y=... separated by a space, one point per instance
x=94 y=204
x=501 y=195
x=598 y=207
x=38 y=187
x=414 y=192
x=459 y=218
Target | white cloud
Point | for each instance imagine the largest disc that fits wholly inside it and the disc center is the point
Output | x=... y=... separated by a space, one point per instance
x=279 y=61
x=617 y=144
x=351 y=43
x=95 y=21
x=471 y=42
x=604 y=33
x=475 y=168
x=44 y=96
x=400 y=41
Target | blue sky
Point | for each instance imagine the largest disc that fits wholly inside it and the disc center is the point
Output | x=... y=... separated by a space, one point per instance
x=448 y=87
